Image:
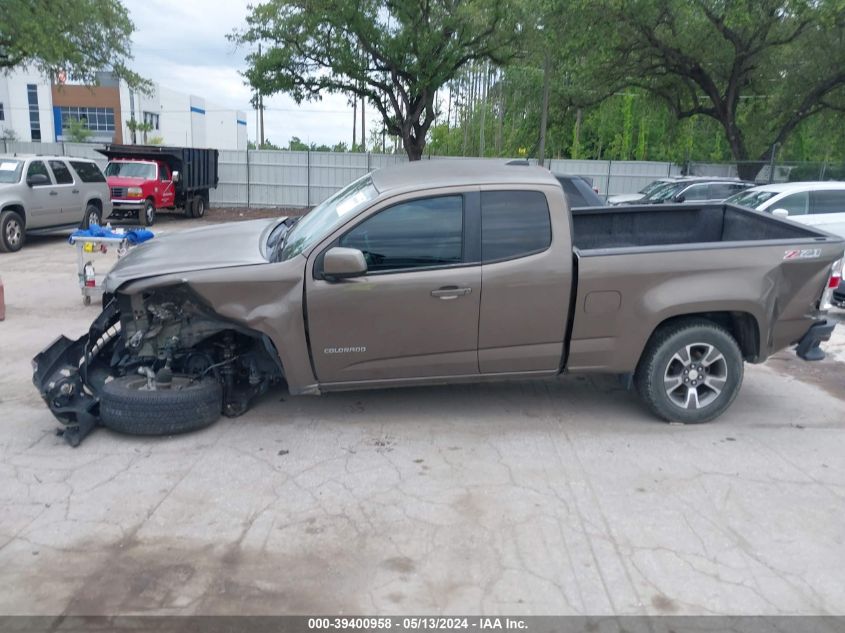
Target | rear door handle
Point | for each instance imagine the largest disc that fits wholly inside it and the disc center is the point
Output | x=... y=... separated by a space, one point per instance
x=450 y=292
x=74 y=191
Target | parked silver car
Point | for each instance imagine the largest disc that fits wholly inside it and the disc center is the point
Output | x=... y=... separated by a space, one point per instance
x=49 y=192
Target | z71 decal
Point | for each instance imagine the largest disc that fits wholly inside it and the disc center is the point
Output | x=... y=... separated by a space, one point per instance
x=803 y=253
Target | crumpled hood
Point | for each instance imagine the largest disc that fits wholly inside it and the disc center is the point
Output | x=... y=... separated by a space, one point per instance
x=217 y=246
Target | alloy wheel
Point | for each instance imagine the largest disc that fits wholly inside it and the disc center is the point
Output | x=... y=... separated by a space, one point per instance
x=695 y=376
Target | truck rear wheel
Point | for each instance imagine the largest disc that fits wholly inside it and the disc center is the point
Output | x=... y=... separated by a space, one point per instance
x=148 y=213
x=92 y=216
x=690 y=372
x=198 y=207
x=128 y=406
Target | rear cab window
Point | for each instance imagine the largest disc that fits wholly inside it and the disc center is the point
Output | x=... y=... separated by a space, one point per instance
x=514 y=224
x=87 y=172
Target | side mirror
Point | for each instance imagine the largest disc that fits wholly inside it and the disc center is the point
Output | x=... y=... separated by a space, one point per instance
x=37 y=179
x=781 y=213
x=175 y=176
x=342 y=263
x=680 y=198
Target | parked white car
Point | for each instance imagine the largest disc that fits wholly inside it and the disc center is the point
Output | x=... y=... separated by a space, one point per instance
x=819 y=204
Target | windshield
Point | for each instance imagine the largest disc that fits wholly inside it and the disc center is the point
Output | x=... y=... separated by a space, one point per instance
x=751 y=199
x=652 y=186
x=666 y=191
x=131 y=170
x=324 y=218
x=10 y=170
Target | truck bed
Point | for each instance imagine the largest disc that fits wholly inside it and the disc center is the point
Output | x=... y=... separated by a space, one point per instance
x=664 y=225
x=637 y=267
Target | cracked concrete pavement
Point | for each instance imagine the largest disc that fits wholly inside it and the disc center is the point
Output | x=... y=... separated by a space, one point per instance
x=554 y=497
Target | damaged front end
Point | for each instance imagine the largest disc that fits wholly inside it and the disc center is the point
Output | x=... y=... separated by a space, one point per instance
x=69 y=375
x=167 y=335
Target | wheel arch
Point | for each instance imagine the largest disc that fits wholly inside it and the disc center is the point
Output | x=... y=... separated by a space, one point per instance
x=741 y=325
x=18 y=208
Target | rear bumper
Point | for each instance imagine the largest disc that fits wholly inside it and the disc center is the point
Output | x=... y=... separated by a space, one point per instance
x=808 y=347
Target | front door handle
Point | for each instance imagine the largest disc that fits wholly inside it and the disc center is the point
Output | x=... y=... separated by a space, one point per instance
x=54 y=193
x=450 y=292
x=74 y=191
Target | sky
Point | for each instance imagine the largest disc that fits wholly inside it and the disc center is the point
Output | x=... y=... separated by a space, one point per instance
x=183 y=46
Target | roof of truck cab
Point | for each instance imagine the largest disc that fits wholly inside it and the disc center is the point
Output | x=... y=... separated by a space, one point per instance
x=428 y=174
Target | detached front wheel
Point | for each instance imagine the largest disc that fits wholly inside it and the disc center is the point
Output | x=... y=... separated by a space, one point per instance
x=690 y=372
x=127 y=405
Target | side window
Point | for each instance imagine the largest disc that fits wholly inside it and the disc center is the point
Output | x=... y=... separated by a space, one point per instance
x=415 y=234
x=88 y=172
x=61 y=172
x=829 y=201
x=514 y=224
x=38 y=167
x=697 y=192
x=163 y=173
x=796 y=203
x=720 y=190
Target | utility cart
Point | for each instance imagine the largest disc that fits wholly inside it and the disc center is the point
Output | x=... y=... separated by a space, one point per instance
x=95 y=256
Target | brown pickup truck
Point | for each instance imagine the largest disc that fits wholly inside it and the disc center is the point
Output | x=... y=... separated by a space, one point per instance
x=443 y=272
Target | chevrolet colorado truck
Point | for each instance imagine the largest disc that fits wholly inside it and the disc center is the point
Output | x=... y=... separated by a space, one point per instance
x=443 y=272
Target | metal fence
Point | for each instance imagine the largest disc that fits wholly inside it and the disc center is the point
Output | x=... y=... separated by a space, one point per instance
x=264 y=178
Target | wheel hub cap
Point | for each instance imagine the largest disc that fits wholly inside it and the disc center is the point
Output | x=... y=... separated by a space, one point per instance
x=13 y=233
x=695 y=376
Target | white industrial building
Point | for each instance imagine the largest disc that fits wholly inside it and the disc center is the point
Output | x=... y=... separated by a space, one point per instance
x=34 y=109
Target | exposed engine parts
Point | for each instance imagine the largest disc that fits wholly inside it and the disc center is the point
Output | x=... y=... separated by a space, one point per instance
x=171 y=342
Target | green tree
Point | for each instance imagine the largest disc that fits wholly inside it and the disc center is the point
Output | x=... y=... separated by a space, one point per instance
x=136 y=126
x=396 y=54
x=757 y=68
x=78 y=131
x=296 y=145
x=79 y=38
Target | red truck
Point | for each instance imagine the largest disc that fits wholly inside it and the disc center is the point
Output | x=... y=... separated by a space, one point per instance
x=144 y=179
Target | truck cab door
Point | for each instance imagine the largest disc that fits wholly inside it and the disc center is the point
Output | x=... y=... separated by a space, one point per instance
x=166 y=188
x=526 y=273
x=414 y=314
x=44 y=208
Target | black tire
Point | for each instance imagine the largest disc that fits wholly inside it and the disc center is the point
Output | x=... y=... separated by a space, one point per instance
x=12 y=232
x=692 y=355
x=147 y=214
x=93 y=215
x=127 y=407
x=198 y=207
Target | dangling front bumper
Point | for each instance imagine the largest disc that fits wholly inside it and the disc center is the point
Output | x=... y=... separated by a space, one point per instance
x=66 y=380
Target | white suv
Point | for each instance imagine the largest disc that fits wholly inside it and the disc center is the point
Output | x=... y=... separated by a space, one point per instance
x=819 y=204
x=49 y=192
